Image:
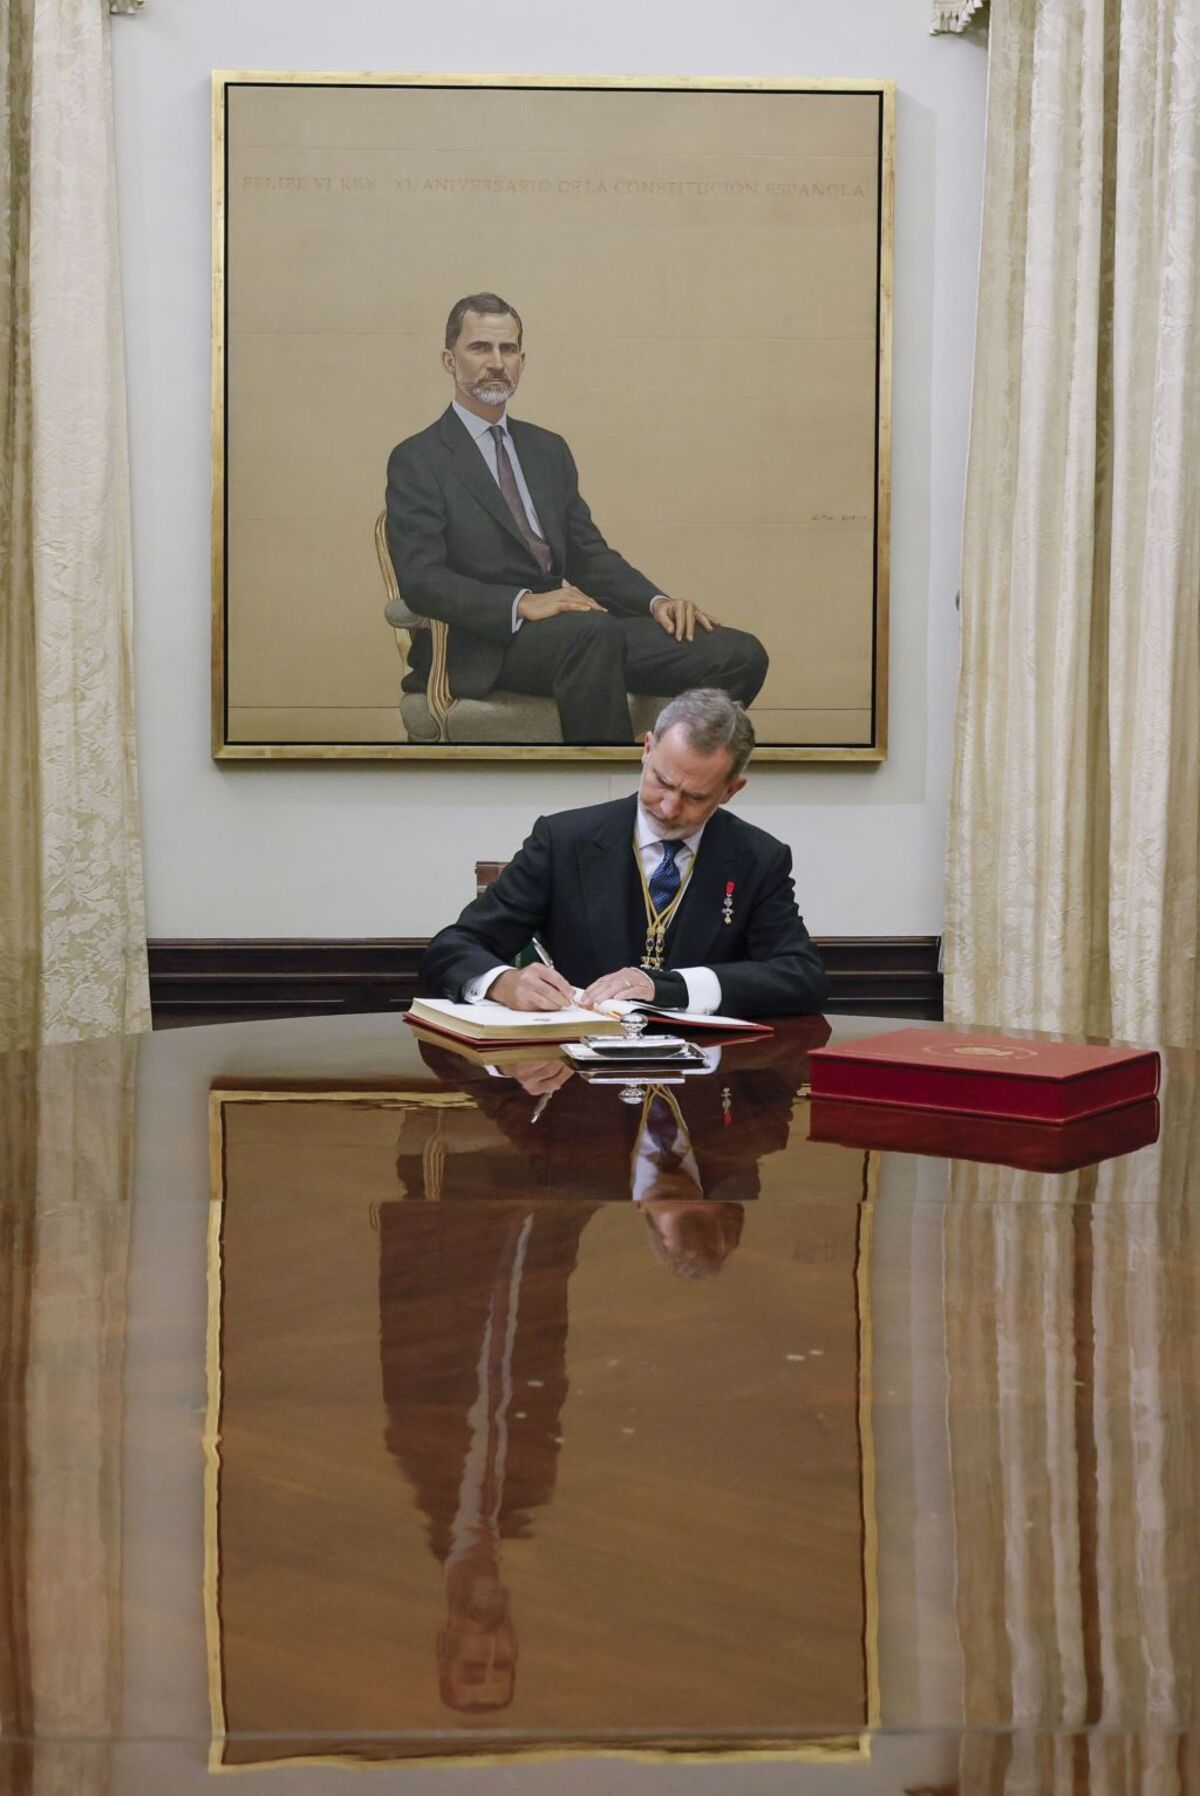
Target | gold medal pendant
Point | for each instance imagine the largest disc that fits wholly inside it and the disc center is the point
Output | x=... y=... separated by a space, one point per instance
x=658 y=921
x=652 y=959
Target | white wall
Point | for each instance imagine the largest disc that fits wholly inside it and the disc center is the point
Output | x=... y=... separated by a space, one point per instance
x=330 y=850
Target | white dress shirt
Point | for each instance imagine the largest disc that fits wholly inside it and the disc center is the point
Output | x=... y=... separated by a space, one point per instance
x=703 y=983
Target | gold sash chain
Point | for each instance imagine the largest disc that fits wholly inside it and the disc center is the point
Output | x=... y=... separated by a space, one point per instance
x=648 y=1096
x=659 y=921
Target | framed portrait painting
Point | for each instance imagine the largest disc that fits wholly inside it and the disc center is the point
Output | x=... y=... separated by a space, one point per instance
x=538 y=400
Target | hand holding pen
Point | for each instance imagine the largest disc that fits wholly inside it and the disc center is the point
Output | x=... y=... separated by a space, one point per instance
x=592 y=999
x=538 y=987
x=540 y=949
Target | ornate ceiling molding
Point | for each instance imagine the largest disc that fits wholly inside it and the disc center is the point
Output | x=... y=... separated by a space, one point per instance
x=953 y=15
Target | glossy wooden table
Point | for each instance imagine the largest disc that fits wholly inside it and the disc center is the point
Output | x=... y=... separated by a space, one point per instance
x=361 y=1405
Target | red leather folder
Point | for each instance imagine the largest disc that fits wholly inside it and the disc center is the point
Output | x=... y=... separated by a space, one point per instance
x=1014 y=1076
x=1000 y=1141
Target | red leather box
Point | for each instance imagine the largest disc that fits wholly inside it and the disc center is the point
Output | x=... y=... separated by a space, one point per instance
x=998 y=1140
x=1014 y=1076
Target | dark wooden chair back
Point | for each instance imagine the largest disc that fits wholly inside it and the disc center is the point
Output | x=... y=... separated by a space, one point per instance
x=486 y=874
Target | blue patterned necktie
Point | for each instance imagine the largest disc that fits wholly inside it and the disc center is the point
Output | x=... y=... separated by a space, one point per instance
x=664 y=881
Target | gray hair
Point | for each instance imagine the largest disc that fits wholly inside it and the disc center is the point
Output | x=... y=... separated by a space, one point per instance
x=711 y=720
x=488 y=304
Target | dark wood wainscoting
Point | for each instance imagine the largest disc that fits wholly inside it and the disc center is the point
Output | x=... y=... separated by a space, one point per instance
x=211 y=981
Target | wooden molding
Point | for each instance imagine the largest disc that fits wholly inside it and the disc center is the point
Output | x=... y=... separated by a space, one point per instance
x=213 y=981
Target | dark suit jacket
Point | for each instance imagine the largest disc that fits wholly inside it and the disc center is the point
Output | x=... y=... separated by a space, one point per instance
x=575 y=883
x=459 y=556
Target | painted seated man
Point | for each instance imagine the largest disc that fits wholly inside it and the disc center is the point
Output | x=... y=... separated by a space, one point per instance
x=488 y=532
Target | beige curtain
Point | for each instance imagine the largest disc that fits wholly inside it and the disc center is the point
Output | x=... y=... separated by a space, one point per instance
x=1074 y=1377
x=72 y=930
x=1072 y=895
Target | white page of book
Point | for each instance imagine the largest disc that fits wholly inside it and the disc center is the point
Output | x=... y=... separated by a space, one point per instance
x=494 y=1015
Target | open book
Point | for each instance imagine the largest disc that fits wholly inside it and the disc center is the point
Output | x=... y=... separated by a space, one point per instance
x=497 y=1023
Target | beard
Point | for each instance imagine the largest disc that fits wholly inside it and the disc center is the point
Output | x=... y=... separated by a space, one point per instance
x=491 y=392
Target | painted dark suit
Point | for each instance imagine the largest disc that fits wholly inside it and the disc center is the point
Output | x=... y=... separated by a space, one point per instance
x=459 y=556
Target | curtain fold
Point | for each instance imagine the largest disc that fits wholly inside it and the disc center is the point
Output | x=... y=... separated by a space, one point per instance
x=66 y=1159
x=19 y=872
x=1074 y=1378
x=72 y=929
x=1075 y=804
x=1154 y=685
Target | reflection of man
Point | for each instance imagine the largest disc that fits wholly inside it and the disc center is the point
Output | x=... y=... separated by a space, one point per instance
x=473 y=1294
x=669 y=879
x=473 y=1331
x=590 y=1148
x=691 y=1236
x=488 y=532
x=561 y=1137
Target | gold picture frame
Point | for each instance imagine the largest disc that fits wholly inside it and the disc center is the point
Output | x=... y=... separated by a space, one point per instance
x=712 y=335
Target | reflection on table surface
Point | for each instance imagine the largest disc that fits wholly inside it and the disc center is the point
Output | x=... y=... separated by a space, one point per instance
x=366 y=1401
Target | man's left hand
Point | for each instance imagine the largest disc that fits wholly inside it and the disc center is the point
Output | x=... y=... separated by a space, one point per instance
x=679 y=617
x=627 y=982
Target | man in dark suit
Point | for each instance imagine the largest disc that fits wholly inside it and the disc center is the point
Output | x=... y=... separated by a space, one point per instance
x=662 y=896
x=488 y=531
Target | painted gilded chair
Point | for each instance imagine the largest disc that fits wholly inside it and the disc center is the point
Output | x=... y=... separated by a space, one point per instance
x=435 y=715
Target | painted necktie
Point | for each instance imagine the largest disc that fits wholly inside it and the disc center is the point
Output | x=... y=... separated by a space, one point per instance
x=537 y=546
x=664 y=881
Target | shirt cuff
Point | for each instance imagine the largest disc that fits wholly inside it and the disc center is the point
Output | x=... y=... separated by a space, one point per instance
x=654 y=601
x=703 y=989
x=477 y=989
x=518 y=621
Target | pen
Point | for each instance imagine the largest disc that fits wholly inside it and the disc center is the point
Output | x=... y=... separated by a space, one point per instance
x=539 y=948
